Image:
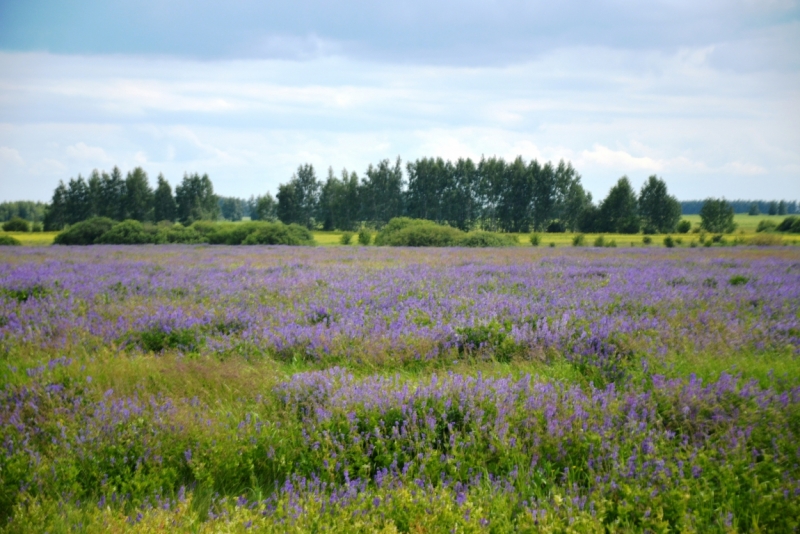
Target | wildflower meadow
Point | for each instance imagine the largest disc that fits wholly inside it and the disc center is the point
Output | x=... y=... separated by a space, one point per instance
x=197 y=388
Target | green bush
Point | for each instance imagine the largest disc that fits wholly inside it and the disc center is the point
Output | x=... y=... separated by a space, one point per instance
x=600 y=241
x=37 y=227
x=669 y=242
x=365 y=237
x=789 y=224
x=278 y=233
x=85 y=232
x=647 y=240
x=765 y=225
x=127 y=232
x=536 y=239
x=7 y=240
x=424 y=235
x=485 y=239
x=17 y=224
x=556 y=227
x=179 y=234
x=684 y=226
x=393 y=226
x=346 y=238
x=578 y=240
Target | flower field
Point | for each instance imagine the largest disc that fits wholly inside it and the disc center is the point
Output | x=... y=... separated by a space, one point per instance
x=287 y=389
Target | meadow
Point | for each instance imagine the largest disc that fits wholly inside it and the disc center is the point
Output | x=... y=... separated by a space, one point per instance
x=376 y=389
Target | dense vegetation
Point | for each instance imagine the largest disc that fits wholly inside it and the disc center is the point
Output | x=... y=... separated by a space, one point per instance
x=751 y=207
x=280 y=389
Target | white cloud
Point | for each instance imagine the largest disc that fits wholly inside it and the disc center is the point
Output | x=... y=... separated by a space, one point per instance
x=619 y=160
x=90 y=154
x=11 y=156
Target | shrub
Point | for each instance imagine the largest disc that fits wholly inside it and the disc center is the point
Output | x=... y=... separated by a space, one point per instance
x=669 y=242
x=600 y=241
x=365 y=237
x=278 y=233
x=611 y=243
x=693 y=244
x=393 y=226
x=552 y=244
x=647 y=240
x=535 y=239
x=85 y=232
x=424 y=235
x=127 y=232
x=179 y=234
x=485 y=239
x=37 y=227
x=738 y=280
x=556 y=227
x=765 y=225
x=684 y=226
x=578 y=240
x=796 y=227
x=346 y=238
x=7 y=240
x=17 y=224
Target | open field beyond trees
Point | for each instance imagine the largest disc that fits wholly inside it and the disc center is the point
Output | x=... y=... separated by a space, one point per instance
x=377 y=389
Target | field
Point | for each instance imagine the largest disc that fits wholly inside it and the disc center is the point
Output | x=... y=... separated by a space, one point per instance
x=366 y=389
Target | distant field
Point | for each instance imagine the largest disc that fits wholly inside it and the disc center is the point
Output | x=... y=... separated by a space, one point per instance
x=744 y=222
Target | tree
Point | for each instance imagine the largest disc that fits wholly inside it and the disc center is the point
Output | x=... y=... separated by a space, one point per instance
x=514 y=208
x=138 y=196
x=491 y=174
x=754 y=209
x=195 y=199
x=232 y=208
x=576 y=202
x=298 y=200
x=773 y=208
x=782 y=209
x=659 y=211
x=164 y=207
x=382 y=192
x=462 y=198
x=112 y=195
x=55 y=217
x=716 y=216
x=545 y=194
x=263 y=208
x=78 y=203
x=618 y=212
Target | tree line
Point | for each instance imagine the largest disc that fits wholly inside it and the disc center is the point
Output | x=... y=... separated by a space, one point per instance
x=491 y=194
x=751 y=207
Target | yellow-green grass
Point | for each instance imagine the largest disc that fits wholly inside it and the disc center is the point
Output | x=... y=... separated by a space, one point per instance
x=35 y=239
x=743 y=221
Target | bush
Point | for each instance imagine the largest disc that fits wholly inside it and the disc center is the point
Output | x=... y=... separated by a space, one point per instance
x=535 y=239
x=600 y=241
x=127 y=232
x=684 y=226
x=85 y=232
x=485 y=239
x=765 y=226
x=578 y=240
x=647 y=240
x=556 y=227
x=180 y=235
x=552 y=244
x=365 y=237
x=7 y=240
x=346 y=238
x=789 y=224
x=669 y=242
x=278 y=233
x=17 y=224
x=37 y=227
x=393 y=226
x=424 y=235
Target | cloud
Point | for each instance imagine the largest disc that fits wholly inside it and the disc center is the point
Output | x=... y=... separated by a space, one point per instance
x=85 y=153
x=619 y=160
x=10 y=156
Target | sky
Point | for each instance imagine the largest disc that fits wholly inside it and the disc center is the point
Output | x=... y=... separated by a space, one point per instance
x=705 y=94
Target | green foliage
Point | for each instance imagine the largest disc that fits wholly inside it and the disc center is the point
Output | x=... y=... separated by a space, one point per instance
x=647 y=239
x=684 y=226
x=659 y=211
x=195 y=199
x=157 y=339
x=765 y=225
x=738 y=280
x=669 y=242
x=716 y=216
x=7 y=240
x=179 y=235
x=600 y=241
x=754 y=210
x=346 y=238
x=578 y=240
x=298 y=199
x=164 y=207
x=278 y=233
x=16 y=224
x=264 y=208
x=789 y=224
x=535 y=239
x=128 y=232
x=428 y=234
x=364 y=237
x=485 y=239
x=84 y=232
x=619 y=213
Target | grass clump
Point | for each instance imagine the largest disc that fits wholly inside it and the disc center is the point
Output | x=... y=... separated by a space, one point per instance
x=346 y=238
x=9 y=241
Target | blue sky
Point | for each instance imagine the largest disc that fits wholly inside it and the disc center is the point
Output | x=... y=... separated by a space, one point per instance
x=704 y=94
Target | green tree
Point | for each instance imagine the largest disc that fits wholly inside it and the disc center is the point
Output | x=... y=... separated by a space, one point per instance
x=782 y=208
x=382 y=192
x=55 y=218
x=164 y=207
x=138 y=196
x=263 y=208
x=298 y=200
x=754 y=209
x=78 y=202
x=618 y=213
x=491 y=182
x=545 y=194
x=112 y=195
x=773 y=208
x=659 y=211
x=462 y=197
x=514 y=208
x=195 y=199
x=716 y=216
